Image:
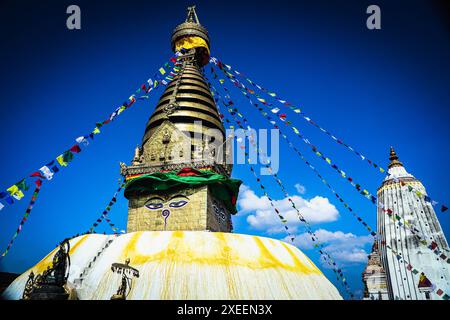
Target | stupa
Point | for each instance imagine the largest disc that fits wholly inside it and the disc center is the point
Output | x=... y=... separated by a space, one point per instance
x=179 y=243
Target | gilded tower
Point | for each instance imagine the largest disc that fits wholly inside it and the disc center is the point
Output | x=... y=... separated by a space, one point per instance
x=184 y=139
x=408 y=224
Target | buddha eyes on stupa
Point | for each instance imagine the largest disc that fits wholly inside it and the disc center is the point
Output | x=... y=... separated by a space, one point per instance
x=178 y=204
x=154 y=206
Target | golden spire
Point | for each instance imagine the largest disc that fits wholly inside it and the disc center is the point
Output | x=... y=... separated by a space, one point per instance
x=191 y=35
x=394 y=159
x=192 y=15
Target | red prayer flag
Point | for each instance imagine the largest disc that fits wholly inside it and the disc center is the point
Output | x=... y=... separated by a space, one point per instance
x=75 y=148
x=37 y=174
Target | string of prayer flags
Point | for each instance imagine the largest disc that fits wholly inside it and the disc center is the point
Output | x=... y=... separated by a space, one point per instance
x=285 y=103
x=16 y=192
x=422 y=195
x=38 y=184
x=325 y=256
x=104 y=215
x=226 y=68
x=373 y=233
x=360 y=220
x=413 y=270
x=433 y=246
x=364 y=192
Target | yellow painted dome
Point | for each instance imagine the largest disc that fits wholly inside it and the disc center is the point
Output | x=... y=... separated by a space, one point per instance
x=189 y=265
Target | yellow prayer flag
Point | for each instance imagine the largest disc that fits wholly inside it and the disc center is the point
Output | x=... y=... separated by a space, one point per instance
x=121 y=109
x=15 y=192
x=61 y=161
x=162 y=71
x=96 y=130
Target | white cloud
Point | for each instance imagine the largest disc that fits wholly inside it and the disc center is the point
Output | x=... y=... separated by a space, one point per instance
x=300 y=188
x=344 y=248
x=261 y=214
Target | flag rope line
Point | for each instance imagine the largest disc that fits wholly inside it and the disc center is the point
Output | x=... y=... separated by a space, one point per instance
x=46 y=172
x=291 y=145
x=296 y=110
x=314 y=238
x=373 y=233
x=38 y=183
x=104 y=215
x=364 y=192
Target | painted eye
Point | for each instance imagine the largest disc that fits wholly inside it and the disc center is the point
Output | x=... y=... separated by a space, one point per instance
x=154 y=206
x=178 y=204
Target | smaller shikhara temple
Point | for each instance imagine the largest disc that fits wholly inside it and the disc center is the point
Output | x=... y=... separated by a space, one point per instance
x=181 y=196
x=412 y=247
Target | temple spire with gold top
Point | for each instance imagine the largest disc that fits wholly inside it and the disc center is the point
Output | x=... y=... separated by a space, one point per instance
x=404 y=213
x=394 y=159
x=184 y=136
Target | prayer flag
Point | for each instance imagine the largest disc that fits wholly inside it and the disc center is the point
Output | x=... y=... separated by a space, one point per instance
x=275 y=110
x=37 y=174
x=22 y=185
x=75 y=148
x=82 y=140
x=15 y=192
x=61 y=161
x=48 y=174
x=162 y=71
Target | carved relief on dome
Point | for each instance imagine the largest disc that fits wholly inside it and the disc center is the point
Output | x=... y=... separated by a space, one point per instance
x=167 y=145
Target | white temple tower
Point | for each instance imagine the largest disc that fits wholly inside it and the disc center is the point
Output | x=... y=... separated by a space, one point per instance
x=411 y=238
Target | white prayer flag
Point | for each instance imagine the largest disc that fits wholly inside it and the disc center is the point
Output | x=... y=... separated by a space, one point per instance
x=48 y=174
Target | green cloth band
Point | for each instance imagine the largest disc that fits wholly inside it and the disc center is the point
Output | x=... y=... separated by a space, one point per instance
x=225 y=189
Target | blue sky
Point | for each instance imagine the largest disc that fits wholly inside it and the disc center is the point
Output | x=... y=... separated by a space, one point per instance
x=372 y=89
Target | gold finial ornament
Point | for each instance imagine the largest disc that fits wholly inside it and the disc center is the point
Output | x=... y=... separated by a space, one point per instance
x=394 y=159
x=192 y=35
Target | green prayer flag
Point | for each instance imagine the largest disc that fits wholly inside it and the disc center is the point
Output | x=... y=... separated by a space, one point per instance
x=67 y=156
x=22 y=185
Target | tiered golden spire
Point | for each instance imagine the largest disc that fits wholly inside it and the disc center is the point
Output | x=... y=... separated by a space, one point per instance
x=394 y=159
